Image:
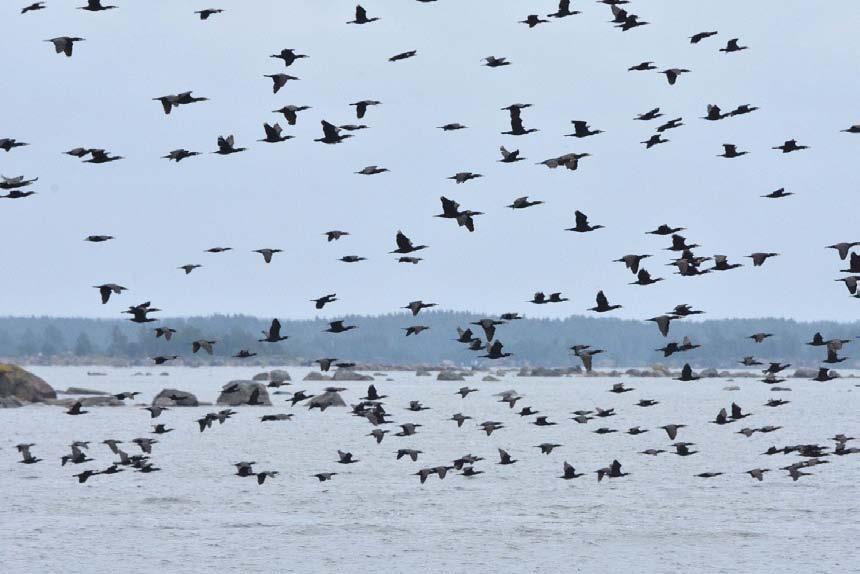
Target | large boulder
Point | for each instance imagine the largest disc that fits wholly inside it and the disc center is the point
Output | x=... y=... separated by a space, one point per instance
x=316 y=376
x=276 y=376
x=180 y=399
x=82 y=391
x=23 y=385
x=236 y=393
x=450 y=376
x=326 y=400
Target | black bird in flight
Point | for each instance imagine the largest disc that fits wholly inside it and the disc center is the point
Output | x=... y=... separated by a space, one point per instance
x=533 y=20
x=790 y=146
x=178 y=155
x=517 y=128
x=672 y=74
x=107 y=289
x=510 y=156
x=226 y=146
x=582 y=225
x=361 y=16
x=732 y=46
x=402 y=56
x=289 y=56
x=273 y=134
x=95 y=6
x=603 y=305
x=33 y=7
x=642 y=67
x=65 y=44
x=204 y=14
x=273 y=335
x=563 y=10
x=291 y=112
x=174 y=100
x=493 y=62
x=6 y=144
x=331 y=134
x=361 y=107
x=279 y=81
x=404 y=244
x=696 y=38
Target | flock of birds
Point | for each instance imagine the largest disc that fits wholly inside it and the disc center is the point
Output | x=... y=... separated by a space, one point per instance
x=373 y=409
x=685 y=260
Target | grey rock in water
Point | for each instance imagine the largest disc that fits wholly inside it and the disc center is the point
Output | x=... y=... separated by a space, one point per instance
x=490 y=379
x=422 y=373
x=316 y=376
x=237 y=393
x=82 y=391
x=450 y=376
x=275 y=376
x=181 y=399
x=709 y=373
x=732 y=388
x=804 y=373
x=326 y=400
x=9 y=403
x=23 y=385
x=346 y=375
x=543 y=372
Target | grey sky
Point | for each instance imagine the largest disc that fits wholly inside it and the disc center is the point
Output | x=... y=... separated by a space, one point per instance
x=800 y=69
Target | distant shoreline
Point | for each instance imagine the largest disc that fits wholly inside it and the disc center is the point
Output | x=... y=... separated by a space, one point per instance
x=567 y=371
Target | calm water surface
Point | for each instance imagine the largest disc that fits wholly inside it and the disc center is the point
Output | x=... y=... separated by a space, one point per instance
x=196 y=516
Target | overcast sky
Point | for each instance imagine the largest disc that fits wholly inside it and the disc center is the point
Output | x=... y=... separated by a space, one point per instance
x=800 y=69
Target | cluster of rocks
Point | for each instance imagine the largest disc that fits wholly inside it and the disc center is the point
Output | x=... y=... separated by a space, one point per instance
x=338 y=375
x=545 y=372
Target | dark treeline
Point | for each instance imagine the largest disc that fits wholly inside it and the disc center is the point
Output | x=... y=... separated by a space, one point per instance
x=380 y=339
